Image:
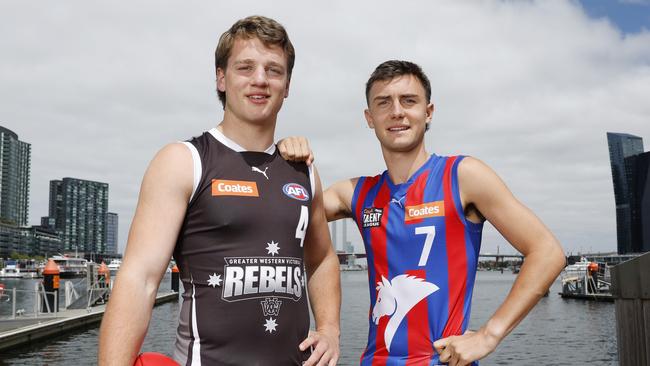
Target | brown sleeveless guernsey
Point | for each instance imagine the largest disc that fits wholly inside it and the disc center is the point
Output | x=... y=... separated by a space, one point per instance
x=240 y=257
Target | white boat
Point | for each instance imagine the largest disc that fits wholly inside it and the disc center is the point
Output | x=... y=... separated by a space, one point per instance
x=11 y=270
x=71 y=267
x=114 y=266
x=576 y=270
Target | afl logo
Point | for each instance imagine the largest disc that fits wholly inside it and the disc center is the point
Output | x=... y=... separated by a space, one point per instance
x=296 y=191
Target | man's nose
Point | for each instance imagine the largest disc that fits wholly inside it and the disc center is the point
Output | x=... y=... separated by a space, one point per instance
x=260 y=78
x=397 y=111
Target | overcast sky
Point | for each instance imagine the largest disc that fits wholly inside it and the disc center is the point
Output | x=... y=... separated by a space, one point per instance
x=529 y=87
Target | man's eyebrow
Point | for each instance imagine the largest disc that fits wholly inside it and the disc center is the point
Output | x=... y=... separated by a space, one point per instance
x=275 y=64
x=246 y=61
x=409 y=96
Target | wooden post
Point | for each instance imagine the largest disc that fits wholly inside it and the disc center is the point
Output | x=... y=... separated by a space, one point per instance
x=631 y=291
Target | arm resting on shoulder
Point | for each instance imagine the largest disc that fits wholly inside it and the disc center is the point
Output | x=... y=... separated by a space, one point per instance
x=338 y=198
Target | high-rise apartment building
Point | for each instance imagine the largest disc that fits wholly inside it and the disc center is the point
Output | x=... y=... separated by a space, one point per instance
x=640 y=205
x=622 y=146
x=79 y=209
x=14 y=178
x=111 y=233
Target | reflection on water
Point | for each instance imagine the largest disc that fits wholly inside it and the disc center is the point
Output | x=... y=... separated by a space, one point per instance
x=557 y=331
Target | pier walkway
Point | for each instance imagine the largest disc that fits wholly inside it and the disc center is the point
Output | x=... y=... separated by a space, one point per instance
x=24 y=330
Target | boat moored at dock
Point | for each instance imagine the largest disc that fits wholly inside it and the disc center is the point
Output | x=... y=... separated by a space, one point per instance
x=586 y=280
x=71 y=267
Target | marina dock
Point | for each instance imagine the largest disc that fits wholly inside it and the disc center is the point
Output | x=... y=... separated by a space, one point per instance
x=24 y=330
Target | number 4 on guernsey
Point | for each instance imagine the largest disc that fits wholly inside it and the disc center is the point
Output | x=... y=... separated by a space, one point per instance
x=428 y=242
x=303 y=221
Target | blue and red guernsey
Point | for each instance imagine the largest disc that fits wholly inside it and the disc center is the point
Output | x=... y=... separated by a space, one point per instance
x=422 y=257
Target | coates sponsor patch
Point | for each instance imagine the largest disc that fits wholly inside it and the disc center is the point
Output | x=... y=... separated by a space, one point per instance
x=428 y=209
x=372 y=216
x=295 y=191
x=221 y=187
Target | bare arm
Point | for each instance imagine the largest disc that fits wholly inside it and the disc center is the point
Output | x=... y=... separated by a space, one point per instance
x=165 y=191
x=324 y=285
x=544 y=260
x=338 y=198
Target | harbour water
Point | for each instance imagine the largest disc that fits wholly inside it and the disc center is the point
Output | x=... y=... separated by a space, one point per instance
x=556 y=332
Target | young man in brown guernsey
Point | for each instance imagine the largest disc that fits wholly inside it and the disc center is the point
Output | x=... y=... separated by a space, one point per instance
x=241 y=222
x=421 y=222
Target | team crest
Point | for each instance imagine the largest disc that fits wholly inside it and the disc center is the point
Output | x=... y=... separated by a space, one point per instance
x=295 y=191
x=372 y=216
x=271 y=306
x=396 y=298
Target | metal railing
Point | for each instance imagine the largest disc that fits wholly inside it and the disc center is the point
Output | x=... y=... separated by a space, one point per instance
x=39 y=294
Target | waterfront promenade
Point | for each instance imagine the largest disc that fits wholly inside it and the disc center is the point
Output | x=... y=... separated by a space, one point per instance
x=20 y=331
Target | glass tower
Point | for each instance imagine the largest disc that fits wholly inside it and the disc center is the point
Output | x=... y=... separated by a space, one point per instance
x=622 y=146
x=111 y=233
x=14 y=178
x=79 y=208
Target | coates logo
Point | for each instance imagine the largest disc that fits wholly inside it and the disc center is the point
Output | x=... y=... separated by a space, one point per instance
x=295 y=191
x=221 y=187
x=425 y=210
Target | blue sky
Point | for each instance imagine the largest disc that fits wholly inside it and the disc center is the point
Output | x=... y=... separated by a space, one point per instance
x=630 y=16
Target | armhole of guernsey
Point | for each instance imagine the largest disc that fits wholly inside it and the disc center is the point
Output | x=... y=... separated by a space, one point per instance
x=312 y=181
x=198 y=169
x=456 y=196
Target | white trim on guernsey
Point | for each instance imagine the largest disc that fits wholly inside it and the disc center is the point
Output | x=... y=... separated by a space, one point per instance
x=198 y=169
x=196 y=342
x=312 y=181
x=232 y=144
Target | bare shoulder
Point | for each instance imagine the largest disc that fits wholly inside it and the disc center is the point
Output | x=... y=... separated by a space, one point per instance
x=175 y=153
x=471 y=167
x=172 y=167
x=479 y=184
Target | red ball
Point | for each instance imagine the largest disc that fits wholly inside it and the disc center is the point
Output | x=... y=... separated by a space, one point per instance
x=154 y=359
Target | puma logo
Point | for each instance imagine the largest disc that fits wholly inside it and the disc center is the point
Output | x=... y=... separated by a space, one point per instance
x=256 y=169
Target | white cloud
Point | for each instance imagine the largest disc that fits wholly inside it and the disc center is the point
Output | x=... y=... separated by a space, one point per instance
x=529 y=87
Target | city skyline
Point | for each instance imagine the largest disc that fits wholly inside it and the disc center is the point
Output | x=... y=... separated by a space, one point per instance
x=97 y=93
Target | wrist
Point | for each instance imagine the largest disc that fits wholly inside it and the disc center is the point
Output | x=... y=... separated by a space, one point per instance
x=494 y=332
x=330 y=330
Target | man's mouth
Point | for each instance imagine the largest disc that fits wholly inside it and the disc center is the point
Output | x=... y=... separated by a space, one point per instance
x=398 y=128
x=258 y=97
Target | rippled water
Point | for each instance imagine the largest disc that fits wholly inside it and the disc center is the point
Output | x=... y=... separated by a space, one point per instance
x=556 y=332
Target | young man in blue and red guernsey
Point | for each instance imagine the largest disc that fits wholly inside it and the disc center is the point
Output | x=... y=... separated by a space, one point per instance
x=421 y=223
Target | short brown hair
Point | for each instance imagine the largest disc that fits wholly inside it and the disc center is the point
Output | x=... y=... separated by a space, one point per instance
x=267 y=30
x=389 y=70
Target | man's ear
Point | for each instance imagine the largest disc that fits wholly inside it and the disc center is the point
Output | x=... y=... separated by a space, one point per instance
x=286 y=90
x=371 y=123
x=429 y=114
x=221 y=80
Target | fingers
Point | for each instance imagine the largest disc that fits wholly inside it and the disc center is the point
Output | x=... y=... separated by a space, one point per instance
x=324 y=351
x=440 y=344
x=308 y=342
x=296 y=149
